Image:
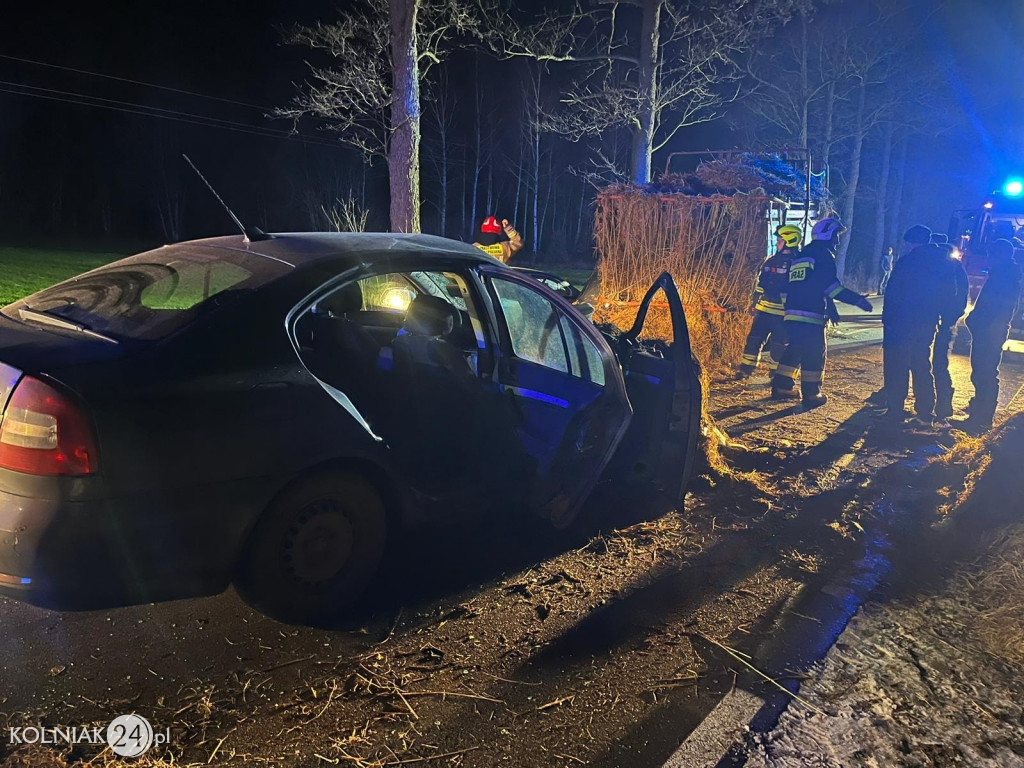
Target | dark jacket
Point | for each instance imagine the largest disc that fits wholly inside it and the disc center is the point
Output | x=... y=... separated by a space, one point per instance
x=812 y=282
x=921 y=288
x=771 y=283
x=997 y=302
x=955 y=310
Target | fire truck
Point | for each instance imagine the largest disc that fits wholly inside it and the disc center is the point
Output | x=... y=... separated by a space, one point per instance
x=1001 y=216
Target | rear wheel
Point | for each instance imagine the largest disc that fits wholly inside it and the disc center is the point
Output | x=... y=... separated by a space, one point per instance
x=315 y=549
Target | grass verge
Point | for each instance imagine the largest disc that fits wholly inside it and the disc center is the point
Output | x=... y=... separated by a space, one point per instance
x=23 y=271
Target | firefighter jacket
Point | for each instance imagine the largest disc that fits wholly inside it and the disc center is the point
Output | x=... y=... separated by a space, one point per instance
x=997 y=301
x=921 y=289
x=504 y=250
x=771 y=283
x=812 y=282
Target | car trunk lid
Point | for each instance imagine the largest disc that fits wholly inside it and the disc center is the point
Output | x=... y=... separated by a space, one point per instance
x=35 y=347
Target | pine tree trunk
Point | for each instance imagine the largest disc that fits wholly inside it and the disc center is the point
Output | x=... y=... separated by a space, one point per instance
x=643 y=136
x=404 y=149
x=805 y=88
x=519 y=184
x=465 y=189
x=444 y=182
x=490 y=182
x=896 y=211
x=579 y=217
x=883 y=193
x=476 y=158
x=827 y=122
x=547 y=195
x=850 y=203
x=536 y=191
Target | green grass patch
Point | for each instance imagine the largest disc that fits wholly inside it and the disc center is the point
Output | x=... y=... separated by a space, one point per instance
x=24 y=271
x=578 y=277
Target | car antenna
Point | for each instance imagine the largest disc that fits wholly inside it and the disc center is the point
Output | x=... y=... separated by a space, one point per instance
x=250 y=234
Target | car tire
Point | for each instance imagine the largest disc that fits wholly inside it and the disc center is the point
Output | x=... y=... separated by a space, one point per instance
x=314 y=550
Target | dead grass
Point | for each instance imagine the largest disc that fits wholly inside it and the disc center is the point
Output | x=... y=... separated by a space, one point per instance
x=988 y=500
x=34 y=756
x=997 y=589
x=712 y=246
x=984 y=487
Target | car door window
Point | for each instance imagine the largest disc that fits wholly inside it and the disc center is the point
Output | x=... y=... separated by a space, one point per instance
x=534 y=325
x=584 y=358
x=391 y=292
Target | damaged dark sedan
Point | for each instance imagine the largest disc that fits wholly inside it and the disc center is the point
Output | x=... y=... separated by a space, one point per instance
x=271 y=413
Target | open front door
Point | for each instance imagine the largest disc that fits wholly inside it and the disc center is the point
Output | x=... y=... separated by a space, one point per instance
x=658 y=451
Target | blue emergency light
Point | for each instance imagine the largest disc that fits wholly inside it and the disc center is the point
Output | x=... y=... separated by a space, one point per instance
x=1013 y=187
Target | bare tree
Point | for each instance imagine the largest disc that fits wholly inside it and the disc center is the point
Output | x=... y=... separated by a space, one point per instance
x=678 y=70
x=835 y=83
x=346 y=215
x=369 y=95
x=441 y=109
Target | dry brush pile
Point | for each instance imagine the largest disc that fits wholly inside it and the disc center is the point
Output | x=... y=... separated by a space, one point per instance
x=711 y=245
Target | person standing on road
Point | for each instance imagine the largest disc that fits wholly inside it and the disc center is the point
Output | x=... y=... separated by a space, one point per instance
x=490 y=241
x=812 y=284
x=949 y=316
x=769 y=327
x=885 y=263
x=989 y=323
x=920 y=288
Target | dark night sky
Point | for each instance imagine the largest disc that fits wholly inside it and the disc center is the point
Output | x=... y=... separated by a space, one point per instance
x=233 y=50
x=984 y=44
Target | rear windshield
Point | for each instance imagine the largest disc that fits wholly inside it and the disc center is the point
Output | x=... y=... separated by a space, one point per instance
x=153 y=294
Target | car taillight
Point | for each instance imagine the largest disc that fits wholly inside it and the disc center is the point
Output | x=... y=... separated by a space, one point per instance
x=44 y=433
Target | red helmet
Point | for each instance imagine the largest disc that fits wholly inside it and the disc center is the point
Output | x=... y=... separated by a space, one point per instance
x=491 y=226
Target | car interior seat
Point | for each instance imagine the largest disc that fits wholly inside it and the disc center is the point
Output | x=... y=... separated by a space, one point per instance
x=425 y=337
x=439 y=389
x=340 y=351
x=336 y=331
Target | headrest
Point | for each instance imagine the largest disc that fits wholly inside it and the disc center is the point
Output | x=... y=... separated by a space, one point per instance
x=348 y=298
x=429 y=316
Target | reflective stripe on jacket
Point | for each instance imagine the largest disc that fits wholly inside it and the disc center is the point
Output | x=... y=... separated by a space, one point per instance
x=812 y=282
x=505 y=250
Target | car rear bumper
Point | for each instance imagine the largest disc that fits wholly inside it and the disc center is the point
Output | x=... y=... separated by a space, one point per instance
x=66 y=547
x=46 y=552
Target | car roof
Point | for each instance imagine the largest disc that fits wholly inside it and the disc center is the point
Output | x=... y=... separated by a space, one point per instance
x=301 y=249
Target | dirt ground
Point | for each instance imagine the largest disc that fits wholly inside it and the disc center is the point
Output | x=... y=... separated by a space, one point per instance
x=928 y=677
x=508 y=645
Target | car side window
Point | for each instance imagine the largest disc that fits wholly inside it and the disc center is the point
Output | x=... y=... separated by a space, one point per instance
x=584 y=358
x=390 y=292
x=534 y=325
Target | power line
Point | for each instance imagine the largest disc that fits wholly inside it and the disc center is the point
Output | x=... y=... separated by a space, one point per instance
x=149 y=108
x=134 y=82
x=252 y=130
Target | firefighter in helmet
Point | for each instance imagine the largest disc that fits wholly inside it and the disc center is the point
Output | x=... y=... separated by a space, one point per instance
x=491 y=243
x=813 y=284
x=769 y=327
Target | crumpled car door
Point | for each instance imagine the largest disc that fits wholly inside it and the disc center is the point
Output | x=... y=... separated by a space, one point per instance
x=663 y=384
x=567 y=418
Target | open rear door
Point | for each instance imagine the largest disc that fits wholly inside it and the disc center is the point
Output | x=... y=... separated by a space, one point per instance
x=663 y=384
